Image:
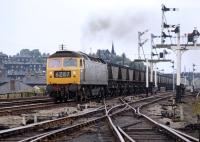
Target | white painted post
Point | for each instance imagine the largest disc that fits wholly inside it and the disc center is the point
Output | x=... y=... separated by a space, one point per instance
x=193 y=80
x=173 y=81
x=78 y=107
x=23 y=119
x=90 y=104
x=181 y=113
x=156 y=76
x=147 y=74
x=35 y=117
x=151 y=78
x=147 y=77
x=151 y=66
x=178 y=69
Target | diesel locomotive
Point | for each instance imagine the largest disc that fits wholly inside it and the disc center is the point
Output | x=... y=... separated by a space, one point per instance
x=76 y=75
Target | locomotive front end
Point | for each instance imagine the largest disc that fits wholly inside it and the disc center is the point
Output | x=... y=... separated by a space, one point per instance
x=63 y=74
x=63 y=70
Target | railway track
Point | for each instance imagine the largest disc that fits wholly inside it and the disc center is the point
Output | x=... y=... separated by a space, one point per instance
x=9 y=103
x=163 y=133
x=192 y=135
x=98 y=121
x=26 y=133
x=92 y=125
x=23 y=99
x=30 y=131
x=138 y=128
x=146 y=129
x=28 y=108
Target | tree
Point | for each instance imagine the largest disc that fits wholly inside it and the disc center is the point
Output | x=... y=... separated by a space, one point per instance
x=35 y=53
x=25 y=52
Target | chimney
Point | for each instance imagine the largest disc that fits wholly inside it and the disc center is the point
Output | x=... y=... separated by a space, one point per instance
x=12 y=85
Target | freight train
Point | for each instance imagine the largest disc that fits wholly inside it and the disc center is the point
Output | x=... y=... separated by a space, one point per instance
x=76 y=75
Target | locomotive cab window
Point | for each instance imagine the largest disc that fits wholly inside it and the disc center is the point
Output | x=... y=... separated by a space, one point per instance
x=54 y=63
x=69 y=62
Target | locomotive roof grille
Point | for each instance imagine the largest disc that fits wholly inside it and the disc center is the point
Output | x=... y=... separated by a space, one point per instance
x=75 y=54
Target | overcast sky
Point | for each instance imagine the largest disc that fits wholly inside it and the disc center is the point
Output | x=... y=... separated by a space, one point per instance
x=88 y=25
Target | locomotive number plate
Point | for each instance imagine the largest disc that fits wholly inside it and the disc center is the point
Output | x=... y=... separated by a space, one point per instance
x=62 y=74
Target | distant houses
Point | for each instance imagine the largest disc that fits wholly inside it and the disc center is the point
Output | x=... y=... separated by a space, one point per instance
x=24 y=69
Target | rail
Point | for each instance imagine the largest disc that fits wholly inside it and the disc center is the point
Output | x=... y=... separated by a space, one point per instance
x=46 y=124
x=186 y=135
x=67 y=129
x=57 y=122
x=125 y=134
x=167 y=129
x=178 y=135
x=112 y=126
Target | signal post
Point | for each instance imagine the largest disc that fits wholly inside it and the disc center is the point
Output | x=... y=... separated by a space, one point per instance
x=178 y=48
